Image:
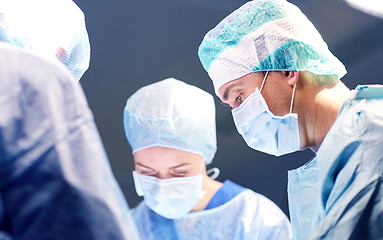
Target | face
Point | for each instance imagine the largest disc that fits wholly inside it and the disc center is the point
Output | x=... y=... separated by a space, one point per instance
x=276 y=91
x=162 y=162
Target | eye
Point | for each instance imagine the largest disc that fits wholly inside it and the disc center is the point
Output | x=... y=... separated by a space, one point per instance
x=145 y=170
x=149 y=173
x=179 y=172
x=238 y=100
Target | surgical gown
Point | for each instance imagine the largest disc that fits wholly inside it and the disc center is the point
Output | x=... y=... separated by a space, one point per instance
x=55 y=178
x=247 y=215
x=340 y=195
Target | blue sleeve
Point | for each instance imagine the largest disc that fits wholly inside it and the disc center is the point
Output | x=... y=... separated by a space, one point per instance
x=224 y=194
x=55 y=178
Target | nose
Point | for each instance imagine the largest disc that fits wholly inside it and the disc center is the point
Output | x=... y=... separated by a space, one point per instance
x=164 y=174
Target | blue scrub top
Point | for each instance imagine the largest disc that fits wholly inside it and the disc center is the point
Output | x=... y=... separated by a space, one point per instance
x=224 y=194
x=234 y=213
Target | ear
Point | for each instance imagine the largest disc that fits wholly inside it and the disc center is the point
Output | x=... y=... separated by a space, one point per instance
x=292 y=77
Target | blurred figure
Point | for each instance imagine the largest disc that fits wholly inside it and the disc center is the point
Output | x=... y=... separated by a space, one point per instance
x=170 y=126
x=372 y=7
x=55 y=178
x=53 y=29
x=270 y=64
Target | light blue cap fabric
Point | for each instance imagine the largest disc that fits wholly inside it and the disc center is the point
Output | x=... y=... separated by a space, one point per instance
x=265 y=35
x=52 y=29
x=173 y=114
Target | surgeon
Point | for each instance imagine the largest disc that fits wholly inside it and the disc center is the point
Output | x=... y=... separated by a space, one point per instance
x=170 y=126
x=55 y=178
x=53 y=29
x=269 y=63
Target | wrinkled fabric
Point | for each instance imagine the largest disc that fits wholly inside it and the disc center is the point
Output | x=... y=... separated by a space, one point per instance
x=247 y=216
x=265 y=35
x=350 y=171
x=5 y=236
x=3 y=224
x=55 y=178
x=53 y=29
x=173 y=114
x=304 y=205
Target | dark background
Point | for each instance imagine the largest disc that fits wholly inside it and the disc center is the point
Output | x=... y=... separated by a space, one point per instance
x=138 y=42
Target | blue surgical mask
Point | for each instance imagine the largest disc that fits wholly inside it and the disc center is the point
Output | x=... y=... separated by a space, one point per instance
x=172 y=197
x=262 y=130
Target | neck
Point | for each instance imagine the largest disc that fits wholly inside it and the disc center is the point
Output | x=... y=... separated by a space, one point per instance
x=210 y=187
x=320 y=109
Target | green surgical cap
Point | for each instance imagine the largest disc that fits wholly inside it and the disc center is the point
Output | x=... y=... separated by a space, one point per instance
x=265 y=35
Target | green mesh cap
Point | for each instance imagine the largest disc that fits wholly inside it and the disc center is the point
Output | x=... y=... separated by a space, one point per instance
x=265 y=35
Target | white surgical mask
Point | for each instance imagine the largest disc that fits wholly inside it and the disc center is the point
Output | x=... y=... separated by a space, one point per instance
x=262 y=130
x=172 y=197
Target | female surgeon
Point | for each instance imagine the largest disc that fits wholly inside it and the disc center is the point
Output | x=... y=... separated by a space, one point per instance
x=170 y=126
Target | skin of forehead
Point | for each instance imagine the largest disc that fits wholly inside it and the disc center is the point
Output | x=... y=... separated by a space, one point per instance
x=158 y=158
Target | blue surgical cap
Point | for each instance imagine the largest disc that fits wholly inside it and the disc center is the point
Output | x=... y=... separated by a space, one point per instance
x=265 y=35
x=173 y=114
x=52 y=29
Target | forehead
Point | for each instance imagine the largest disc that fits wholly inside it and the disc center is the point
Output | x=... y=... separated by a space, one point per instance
x=225 y=89
x=247 y=81
x=163 y=157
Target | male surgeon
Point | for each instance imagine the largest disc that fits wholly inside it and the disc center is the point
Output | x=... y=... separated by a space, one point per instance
x=269 y=63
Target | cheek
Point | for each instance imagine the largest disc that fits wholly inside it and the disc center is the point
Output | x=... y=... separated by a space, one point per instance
x=247 y=93
x=278 y=102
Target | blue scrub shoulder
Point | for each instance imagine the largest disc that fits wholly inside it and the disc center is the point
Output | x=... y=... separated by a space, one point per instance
x=224 y=194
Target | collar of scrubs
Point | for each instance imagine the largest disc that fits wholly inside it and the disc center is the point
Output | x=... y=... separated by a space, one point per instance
x=367 y=91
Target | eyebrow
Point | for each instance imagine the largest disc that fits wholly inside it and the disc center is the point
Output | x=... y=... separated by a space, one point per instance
x=143 y=165
x=229 y=90
x=181 y=165
x=226 y=93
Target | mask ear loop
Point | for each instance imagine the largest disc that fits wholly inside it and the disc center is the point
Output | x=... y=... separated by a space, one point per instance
x=203 y=163
x=203 y=192
x=292 y=98
x=264 y=80
x=214 y=173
